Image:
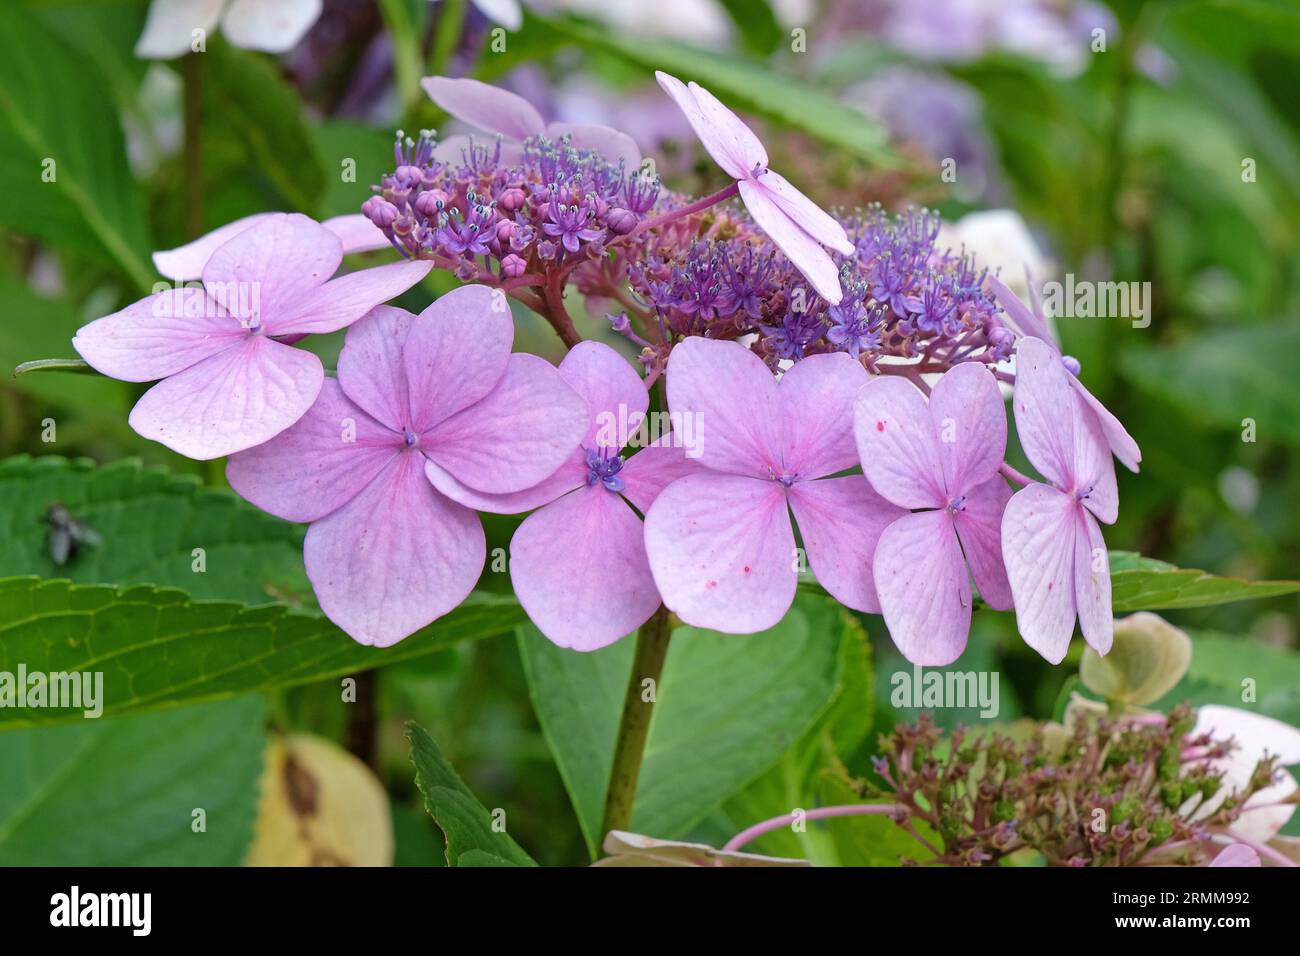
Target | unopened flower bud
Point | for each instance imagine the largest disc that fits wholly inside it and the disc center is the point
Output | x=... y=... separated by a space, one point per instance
x=1072 y=365
x=379 y=211
x=621 y=221
x=505 y=231
x=430 y=203
x=512 y=198
x=512 y=266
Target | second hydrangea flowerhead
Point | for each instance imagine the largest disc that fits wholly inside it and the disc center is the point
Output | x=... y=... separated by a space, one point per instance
x=386 y=552
x=229 y=377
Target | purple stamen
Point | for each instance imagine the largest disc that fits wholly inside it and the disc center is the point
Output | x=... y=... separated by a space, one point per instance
x=603 y=465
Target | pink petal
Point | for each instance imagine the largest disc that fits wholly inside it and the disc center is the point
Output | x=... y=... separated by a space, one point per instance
x=729 y=141
x=612 y=144
x=1038 y=545
x=733 y=403
x=517 y=435
x=1236 y=854
x=186 y=262
x=274 y=26
x=722 y=551
x=357 y=233
x=801 y=249
x=395 y=558
x=568 y=477
x=924 y=588
x=897 y=443
x=1120 y=441
x=456 y=353
x=340 y=302
x=979 y=529
x=614 y=393
x=817 y=396
x=967 y=410
x=370 y=366
x=312 y=468
x=579 y=569
x=230 y=401
x=158 y=336
x=486 y=107
x=805 y=213
x=652 y=469
x=1021 y=318
x=268 y=269
x=1092 y=583
x=840 y=521
x=1059 y=432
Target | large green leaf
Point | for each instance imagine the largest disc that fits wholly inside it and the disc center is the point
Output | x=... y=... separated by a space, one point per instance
x=728 y=706
x=747 y=86
x=1144 y=584
x=124 y=792
x=1227 y=376
x=149 y=523
x=158 y=648
x=56 y=107
x=1239 y=672
x=791 y=782
x=466 y=824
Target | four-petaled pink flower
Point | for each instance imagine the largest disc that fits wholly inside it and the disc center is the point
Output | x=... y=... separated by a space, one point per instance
x=1030 y=323
x=1056 y=559
x=578 y=564
x=720 y=542
x=514 y=119
x=798 y=226
x=943 y=458
x=387 y=553
x=229 y=380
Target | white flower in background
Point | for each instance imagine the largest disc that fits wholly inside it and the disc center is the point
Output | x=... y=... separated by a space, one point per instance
x=1001 y=241
x=508 y=13
x=1267 y=810
x=273 y=26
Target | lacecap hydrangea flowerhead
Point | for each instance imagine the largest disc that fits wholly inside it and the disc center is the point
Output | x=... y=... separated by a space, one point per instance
x=835 y=373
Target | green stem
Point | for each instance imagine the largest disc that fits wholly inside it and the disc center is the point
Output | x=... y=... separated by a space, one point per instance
x=634 y=725
x=192 y=73
x=451 y=23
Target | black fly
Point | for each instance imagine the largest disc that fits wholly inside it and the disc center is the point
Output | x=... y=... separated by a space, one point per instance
x=67 y=534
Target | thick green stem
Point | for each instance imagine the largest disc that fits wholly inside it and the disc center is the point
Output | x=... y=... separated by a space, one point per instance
x=634 y=726
x=192 y=95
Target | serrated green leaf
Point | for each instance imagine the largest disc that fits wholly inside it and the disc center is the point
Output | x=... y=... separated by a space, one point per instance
x=157 y=648
x=728 y=706
x=464 y=821
x=747 y=86
x=63 y=167
x=149 y=522
x=1143 y=584
x=124 y=792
